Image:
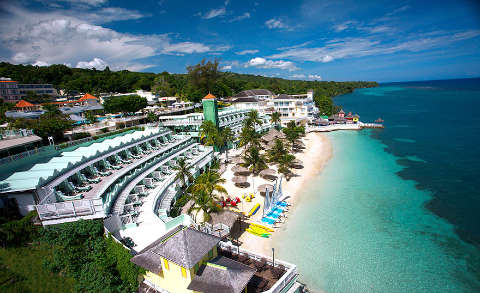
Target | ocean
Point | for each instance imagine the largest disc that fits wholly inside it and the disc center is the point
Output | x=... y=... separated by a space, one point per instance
x=395 y=209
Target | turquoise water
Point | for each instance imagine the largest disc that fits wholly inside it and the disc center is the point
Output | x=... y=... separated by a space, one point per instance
x=359 y=227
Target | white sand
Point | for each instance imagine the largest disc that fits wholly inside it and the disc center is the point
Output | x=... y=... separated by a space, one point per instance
x=318 y=151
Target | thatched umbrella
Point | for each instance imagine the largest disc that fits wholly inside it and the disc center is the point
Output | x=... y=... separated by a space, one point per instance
x=241 y=181
x=297 y=164
x=240 y=170
x=237 y=160
x=299 y=143
x=263 y=188
x=268 y=174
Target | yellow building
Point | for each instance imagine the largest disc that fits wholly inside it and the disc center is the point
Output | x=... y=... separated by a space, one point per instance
x=186 y=260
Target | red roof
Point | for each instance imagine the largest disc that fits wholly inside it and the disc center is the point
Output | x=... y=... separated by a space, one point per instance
x=209 y=96
x=88 y=97
x=23 y=104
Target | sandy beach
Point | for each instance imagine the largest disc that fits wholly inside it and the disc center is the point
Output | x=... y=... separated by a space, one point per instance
x=317 y=152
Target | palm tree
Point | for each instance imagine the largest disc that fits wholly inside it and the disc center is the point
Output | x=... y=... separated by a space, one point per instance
x=275 y=119
x=183 y=172
x=285 y=162
x=228 y=137
x=208 y=132
x=254 y=160
x=209 y=181
x=254 y=119
x=277 y=151
x=202 y=201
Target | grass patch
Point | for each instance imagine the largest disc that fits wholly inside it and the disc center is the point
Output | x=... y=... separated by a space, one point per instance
x=21 y=270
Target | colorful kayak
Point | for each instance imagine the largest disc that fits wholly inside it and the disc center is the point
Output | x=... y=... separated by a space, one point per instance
x=254 y=210
x=264 y=235
x=263 y=227
x=258 y=230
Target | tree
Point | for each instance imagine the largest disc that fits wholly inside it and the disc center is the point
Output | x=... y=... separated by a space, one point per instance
x=253 y=119
x=151 y=117
x=275 y=119
x=204 y=75
x=208 y=132
x=125 y=104
x=254 y=160
x=202 y=201
x=183 y=171
x=90 y=116
x=228 y=137
x=277 y=151
x=284 y=166
x=293 y=133
x=210 y=181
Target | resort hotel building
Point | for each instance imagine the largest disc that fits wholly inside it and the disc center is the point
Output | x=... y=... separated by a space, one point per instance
x=129 y=181
x=299 y=108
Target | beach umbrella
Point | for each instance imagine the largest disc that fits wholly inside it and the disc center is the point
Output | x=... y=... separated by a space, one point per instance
x=237 y=160
x=263 y=188
x=240 y=170
x=268 y=173
x=297 y=164
x=241 y=181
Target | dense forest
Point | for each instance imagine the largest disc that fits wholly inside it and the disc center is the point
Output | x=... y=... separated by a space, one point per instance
x=200 y=79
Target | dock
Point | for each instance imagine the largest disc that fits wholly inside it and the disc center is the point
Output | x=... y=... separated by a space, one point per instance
x=335 y=127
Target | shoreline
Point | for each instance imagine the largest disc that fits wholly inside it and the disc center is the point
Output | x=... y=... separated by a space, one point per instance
x=318 y=151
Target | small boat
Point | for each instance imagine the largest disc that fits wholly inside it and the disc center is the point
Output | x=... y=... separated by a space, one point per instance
x=263 y=227
x=254 y=210
x=264 y=235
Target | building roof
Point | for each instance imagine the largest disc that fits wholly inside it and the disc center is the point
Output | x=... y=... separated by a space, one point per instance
x=183 y=246
x=225 y=217
x=23 y=104
x=6 y=144
x=245 y=100
x=88 y=96
x=30 y=179
x=209 y=96
x=222 y=275
x=254 y=92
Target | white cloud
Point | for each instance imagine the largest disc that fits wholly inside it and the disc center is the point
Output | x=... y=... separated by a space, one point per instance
x=240 y=17
x=245 y=52
x=368 y=46
x=227 y=67
x=86 y=2
x=276 y=23
x=53 y=38
x=314 y=77
x=214 y=13
x=298 y=76
x=260 y=62
x=343 y=26
x=96 y=63
x=40 y=63
x=327 y=58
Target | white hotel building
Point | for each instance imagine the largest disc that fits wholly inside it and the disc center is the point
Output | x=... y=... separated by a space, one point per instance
x=299 y=108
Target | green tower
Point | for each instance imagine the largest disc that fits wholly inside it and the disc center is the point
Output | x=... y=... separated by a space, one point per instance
x=210 y=109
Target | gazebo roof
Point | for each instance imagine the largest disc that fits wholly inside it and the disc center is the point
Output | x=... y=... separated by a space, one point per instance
x=23 y=104
x=88 y=96
x=209 y=96
x=183 y=246
x=225 y=216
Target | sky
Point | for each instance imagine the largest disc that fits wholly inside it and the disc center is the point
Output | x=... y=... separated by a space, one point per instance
x=336 y=40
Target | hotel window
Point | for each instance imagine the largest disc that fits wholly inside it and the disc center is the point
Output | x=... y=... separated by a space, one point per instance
x=184 y=272
x=165 y=264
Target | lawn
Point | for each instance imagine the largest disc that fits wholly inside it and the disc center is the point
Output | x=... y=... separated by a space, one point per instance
x=21 y=270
